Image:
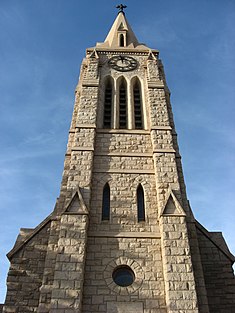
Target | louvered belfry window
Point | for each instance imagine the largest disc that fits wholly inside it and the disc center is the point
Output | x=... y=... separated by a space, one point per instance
x=140 y=204
x=107 y=105
x=137 y=106
x=122 y=106
x=106 y=202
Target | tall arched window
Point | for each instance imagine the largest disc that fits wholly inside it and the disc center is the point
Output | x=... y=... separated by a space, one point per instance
x=140 y=204
x=137 y=106
x=121 y=40
x=106 y=202
x=122 y=105
x=107 y=105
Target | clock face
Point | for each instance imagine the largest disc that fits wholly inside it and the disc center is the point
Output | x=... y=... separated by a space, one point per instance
x=123 y=63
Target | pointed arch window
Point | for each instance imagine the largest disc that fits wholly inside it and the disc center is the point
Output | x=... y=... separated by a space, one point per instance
x=140 y=204
x=106 y=203
x=137 y=106
x=107 y=105
x=122 y=105
x=121 y=40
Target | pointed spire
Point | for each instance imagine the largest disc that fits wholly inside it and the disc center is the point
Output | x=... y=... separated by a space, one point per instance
x=121 y=34
x=121 y=27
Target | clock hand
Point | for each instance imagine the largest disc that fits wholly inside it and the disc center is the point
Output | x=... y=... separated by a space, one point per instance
x=121 y=58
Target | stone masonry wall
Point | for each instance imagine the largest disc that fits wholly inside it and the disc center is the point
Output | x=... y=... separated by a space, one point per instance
x=219 y=276
x=25 y=274
x=123 y=142
x=104 y=255
x=124 y=161
x=69 y=269
x=179 y=277
x=123 y=203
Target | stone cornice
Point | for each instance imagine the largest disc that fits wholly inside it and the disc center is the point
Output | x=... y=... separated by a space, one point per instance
x=122 y=50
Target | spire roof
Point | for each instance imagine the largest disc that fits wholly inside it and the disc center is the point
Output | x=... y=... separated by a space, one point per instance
x=121 y=27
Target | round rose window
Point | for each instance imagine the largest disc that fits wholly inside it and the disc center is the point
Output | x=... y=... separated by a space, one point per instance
x=123 y=276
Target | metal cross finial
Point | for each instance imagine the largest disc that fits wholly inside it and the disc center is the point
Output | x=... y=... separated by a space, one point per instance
x=121 y=7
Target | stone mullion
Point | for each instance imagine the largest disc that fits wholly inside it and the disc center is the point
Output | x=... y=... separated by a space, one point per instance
x=130 y=107
x=115 y=105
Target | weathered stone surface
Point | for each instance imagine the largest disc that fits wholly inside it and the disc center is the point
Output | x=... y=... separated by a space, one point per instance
x=66 y=264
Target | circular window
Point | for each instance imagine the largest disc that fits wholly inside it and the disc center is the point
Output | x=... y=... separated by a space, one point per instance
x=123 y=276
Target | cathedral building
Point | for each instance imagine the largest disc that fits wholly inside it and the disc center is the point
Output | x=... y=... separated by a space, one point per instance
x=122 y=237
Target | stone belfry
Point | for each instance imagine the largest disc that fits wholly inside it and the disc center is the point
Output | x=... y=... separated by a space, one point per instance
x=122 y=236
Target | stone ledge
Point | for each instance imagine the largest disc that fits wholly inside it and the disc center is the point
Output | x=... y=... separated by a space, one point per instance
x=157 y=84
x=125 y=154
x=85 y=126
x=123 y=171
x=90 y=83
x=123 y=131
x=164 y=151
x=161 y=128
x=124 y=234
x=83 y=149
x=134 y=51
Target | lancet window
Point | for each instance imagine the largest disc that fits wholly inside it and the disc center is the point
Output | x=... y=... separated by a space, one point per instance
x=121 y=40
x=106 y=202
x=137 y=106
x=140 y=204
x=108 y=105
x=121 y=109
x=122 y=105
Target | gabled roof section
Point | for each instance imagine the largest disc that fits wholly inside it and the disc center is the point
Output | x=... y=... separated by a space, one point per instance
x=26 y=235
x=217 y=239
x=121 y=25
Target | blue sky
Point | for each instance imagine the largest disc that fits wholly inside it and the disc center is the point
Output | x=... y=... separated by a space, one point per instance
x=42 y=44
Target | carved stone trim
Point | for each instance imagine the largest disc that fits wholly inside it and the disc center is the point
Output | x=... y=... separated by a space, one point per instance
x=136 y=268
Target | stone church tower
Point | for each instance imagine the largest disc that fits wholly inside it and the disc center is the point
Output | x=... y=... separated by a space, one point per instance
x=122 y=236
